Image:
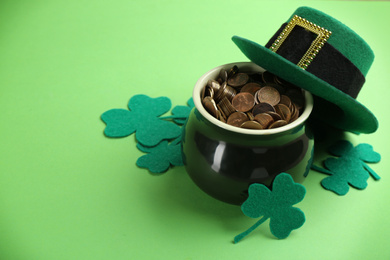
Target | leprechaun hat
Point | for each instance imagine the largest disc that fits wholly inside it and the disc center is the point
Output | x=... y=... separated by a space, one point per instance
x=322 y=55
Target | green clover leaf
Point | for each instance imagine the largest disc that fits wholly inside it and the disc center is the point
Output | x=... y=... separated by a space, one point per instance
x=159 y=158
x=181 y=113
x=154 y=132
x=120 y=122
x=276 y=205
x=350 y=168
x=142 y=118
x=344 y=171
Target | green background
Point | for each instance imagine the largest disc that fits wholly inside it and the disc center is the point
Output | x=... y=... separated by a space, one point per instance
x=69 y=192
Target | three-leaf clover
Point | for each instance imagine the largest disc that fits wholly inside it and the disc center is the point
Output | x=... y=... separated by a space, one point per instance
x=159 y=158
x=181 y=113
x=276 y=205
x=142 y=118
x=350 y=168
x=159 y=137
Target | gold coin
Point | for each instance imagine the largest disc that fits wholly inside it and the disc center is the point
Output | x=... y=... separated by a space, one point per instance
x=277 y=80
x=202 y=94
x=237 y=118
x=243 y=102
x=283 y=111
x=256 y=95
x=226 y=107
x=221 y=116
x=230 y=93
x=285 y=100
x=225 y=91
x=210 y=106
x=294 y=113
x=274 y=115
x=251 y=88
x=268 y=95
x=223 y=75
x=264 y=120
x=207 y=92
x=219 y=94
x=277 y=124
x=262 y=108
x=238 y=80
x=251 y=125
x=233 y=71
x=250 y=116
x=214 y=85
x=293 y=109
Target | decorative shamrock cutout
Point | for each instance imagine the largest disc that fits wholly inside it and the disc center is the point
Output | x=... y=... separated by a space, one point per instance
x=350 y=168
x=160 y=157
x=276 y=205
x=181 y=113
x=143 y=118
x=153 y=132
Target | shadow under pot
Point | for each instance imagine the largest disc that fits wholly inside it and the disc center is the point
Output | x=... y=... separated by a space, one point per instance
x=224 y=160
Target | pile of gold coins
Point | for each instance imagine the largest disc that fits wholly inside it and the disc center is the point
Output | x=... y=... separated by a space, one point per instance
x=252 y=100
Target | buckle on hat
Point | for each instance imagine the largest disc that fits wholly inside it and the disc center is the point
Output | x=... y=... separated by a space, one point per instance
x=322 y=36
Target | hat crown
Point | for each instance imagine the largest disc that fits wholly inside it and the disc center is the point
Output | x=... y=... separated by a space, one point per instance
x=343 y=38
x=335 y=74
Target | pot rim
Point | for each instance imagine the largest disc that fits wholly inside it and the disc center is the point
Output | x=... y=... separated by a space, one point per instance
x=202 y=81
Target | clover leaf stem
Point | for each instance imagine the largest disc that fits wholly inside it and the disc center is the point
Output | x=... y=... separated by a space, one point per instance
x=319 y=169
x=176 y=141
x=249 y=230
x=371 y=171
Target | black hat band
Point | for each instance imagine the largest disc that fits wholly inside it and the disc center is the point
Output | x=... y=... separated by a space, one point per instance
x=329 y=64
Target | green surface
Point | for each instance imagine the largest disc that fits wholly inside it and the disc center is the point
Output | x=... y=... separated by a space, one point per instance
x=69 y=192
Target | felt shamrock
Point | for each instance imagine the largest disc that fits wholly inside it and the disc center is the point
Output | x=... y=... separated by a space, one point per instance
x=276 y=205
x=153 y=132
x=350 y=168
x=160 y=157
x=142 y=118
x=181 y=113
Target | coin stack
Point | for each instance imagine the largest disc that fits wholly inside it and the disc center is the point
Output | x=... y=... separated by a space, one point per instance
x=252 y=100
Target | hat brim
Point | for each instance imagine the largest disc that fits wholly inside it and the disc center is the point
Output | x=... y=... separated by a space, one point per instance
x=331 y=105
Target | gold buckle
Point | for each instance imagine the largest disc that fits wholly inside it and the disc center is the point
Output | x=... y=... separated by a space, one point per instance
x=322 y=36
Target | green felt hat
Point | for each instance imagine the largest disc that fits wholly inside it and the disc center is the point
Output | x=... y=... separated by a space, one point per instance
x=322 y=55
